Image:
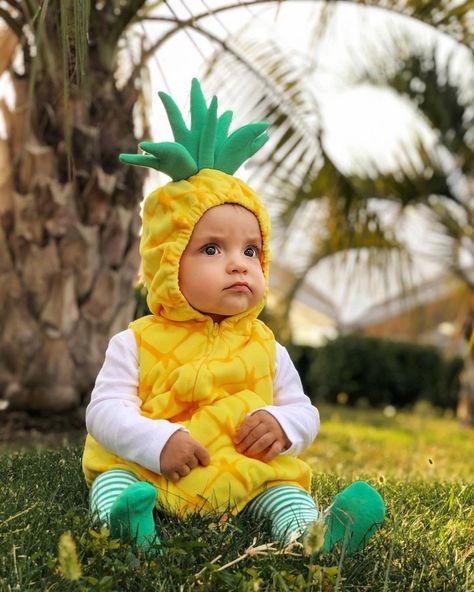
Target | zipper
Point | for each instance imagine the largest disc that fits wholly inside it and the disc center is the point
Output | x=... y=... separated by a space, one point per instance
x=212 y=333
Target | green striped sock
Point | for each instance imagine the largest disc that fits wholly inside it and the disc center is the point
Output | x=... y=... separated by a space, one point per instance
x=126 y=505
x=106 y=489
x=289 y=509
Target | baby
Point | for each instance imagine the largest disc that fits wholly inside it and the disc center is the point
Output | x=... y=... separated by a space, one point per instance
x=197 y=408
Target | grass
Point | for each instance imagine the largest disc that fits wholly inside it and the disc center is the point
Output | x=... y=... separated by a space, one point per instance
x=366 y=443
x=426 y=543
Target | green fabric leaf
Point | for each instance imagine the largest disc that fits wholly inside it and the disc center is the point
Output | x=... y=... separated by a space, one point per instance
x=181 y=133
x=205 y=144
x=170 y=158
x=241 y=145
x=208 y=138
x=223 y=125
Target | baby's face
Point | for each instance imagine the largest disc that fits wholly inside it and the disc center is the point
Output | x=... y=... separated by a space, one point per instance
x=220 y=272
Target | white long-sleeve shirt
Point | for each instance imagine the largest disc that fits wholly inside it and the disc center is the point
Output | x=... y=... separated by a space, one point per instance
x=114 y=419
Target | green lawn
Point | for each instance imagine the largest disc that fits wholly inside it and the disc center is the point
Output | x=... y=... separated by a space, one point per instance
x=356 y=443
x=422 y=464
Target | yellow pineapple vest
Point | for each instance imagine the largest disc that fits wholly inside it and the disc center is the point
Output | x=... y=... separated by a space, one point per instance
x=200 y=374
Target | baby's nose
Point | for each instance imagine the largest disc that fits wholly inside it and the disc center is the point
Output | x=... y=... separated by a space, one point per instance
x=238 y=264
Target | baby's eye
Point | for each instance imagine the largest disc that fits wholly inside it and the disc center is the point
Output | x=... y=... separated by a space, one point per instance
x=251 y=252
x=210 y=250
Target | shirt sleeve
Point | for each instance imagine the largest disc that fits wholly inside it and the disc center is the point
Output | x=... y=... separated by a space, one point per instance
x=293 y=410
x=113 y=415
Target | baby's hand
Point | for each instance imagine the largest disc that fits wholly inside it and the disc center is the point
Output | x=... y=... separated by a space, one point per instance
x=261 y=436
x=180 y=455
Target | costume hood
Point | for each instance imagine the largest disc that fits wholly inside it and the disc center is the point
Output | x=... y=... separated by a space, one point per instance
x=201 y=163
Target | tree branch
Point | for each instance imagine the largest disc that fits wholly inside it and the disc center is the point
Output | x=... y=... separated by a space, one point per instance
x=211 y=12
x=125 y=17
x=435 y=18
x=432 y=14
x=191 y=23
x=280 y=100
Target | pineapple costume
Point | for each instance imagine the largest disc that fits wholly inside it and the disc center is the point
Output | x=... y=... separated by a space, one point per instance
x=205 y=376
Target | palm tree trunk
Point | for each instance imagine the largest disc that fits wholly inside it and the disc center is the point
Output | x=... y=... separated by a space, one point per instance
x=465 y=406
x=68 y=246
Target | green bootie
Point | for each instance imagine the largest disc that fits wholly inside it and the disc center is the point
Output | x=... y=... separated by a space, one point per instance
x=356 y=513
x=131 y=516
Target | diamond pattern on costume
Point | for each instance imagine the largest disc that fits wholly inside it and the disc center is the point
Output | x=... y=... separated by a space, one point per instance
x=204 y=379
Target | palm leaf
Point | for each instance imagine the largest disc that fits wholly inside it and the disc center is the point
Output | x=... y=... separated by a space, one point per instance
x=428 y=83
x=273 y=90
x=438 y=183
x=415 y=180
x=452 y=18
x=298 y=171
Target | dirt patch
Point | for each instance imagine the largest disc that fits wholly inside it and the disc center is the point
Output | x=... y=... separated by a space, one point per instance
x=20 y=430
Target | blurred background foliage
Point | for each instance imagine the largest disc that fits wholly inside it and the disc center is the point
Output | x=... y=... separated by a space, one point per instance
x=359 y=213
x=81 y=73
x=358 y=370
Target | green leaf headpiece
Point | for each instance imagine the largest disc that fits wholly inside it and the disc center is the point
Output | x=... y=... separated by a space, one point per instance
x=206 y=145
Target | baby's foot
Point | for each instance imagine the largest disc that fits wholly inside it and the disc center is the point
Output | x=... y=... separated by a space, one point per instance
x=356 y=513
x=131 y=515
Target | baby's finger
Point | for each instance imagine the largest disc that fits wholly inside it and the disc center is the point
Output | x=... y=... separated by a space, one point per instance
x=192 y=462
x=273 y=451
x=251 y=438
x=184 y=470
x=245 y=428
x=261 y=444
x=202 y=455
x=173 y=477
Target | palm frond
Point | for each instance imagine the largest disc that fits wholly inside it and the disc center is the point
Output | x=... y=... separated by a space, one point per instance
x=428 y=82
x=362 y=248
x=452 y=18
x=272 y=89
x=415 y=180
x=436 y=180
x=74 y=26
x=298 y=171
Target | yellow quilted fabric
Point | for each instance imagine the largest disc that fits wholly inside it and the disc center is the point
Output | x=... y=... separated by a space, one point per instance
x=203 y=375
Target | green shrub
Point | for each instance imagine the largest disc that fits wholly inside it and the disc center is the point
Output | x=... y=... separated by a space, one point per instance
x=380 y=371
x=141 y=306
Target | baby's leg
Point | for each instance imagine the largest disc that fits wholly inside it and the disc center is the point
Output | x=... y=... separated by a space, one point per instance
x=354 y=516
x=126 y=505
x=289 y=509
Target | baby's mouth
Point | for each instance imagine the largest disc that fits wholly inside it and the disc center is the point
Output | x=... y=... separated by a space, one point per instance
x=239 y=287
